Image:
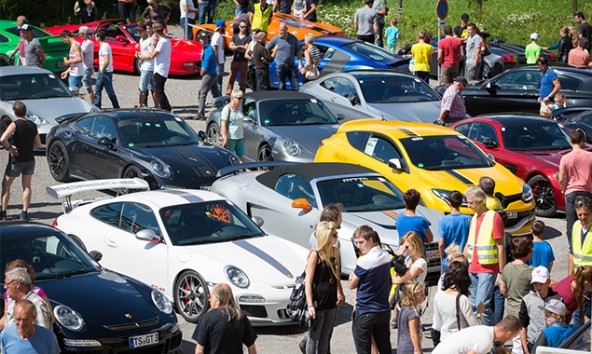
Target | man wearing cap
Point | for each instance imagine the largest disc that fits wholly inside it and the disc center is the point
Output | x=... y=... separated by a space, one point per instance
x=147 y=68
x=87 y=48
x=208 y=74
x=261 y=16
x=34 y=54
x=532 y=314
x=533 y=50
x=550 y=85
x=460 y=31
x=453 y=105
x=558 y=330
x=218 y=45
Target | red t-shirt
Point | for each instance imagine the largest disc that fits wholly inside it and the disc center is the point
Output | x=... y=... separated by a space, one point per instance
x=563 y=288
x=498 y=234
x=450 y=48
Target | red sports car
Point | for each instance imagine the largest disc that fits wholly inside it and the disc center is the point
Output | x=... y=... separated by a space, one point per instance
x=528 y=146
x=125 y=42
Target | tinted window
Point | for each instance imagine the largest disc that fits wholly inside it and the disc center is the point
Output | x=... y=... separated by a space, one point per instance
x=37 y=33
x=370 y=51
x=361 y=194
x=294 y=112
x=136 y=217
x=85 y=124
x=464 y=129
x=103 y=128
x=3 y=39
x=483 y=133
x=109 y=213
x=381 y=149
x=357 y=139
x=32 y=86
x=519 y=80
x=156 y=132
x=568 y=83
x=340 y=85
x=396 y=89
x=538 y=135
x=293 y=187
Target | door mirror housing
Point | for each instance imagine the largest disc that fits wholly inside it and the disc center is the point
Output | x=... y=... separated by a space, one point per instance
x=258 y=220
x=340 y=116
x=96 y=255
x=395 y=163
x=491 y=86
x=121 y=38
x=148 y=235
x=490 y=143
x=105 y=141
x=353 y=99
x=301 y=203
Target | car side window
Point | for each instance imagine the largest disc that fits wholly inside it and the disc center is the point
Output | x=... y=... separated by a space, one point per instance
x=567 y=83
x=136 y=217
x=340 y=86
x=3 y=39
x=108 y=213
x=381 y=149
x=85 y=125
x=483 y=133
x=520 y=80
x=103 y=127
x=587 y=119
x=293 y=187
x=464 y=129
x=250 y=109
x=357 y=139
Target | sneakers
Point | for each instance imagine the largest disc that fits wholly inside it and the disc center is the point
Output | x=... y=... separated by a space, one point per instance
x=200 y=116
x=24 y=215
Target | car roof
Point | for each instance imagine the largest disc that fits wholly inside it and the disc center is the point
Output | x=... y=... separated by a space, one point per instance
x=335 y=40
x=396 y=129
x=310 y=171
x=167 y=197
x=561 y=68
x=132 y=113
x=20 y=70
x=22 y=228
x=275 y=94
x=372 y=73
x=511 y=118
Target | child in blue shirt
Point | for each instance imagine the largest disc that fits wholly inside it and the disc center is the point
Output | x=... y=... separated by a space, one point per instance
x=454 y=227
x=392 y=34
x=408 y=221
x=542 y=252
x=558 y=330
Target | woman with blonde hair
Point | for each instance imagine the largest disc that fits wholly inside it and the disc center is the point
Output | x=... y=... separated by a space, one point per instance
x=409 y=333
x=322 y=275
x=312 y=54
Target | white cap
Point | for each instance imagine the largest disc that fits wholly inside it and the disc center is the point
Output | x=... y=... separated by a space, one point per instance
x=534 y=36
x=540 y=275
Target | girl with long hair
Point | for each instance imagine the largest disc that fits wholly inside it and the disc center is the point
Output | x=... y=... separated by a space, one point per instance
x=572 y=289
x=409 y=333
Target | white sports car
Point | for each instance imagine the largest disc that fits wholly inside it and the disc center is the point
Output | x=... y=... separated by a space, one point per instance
x=183 y=242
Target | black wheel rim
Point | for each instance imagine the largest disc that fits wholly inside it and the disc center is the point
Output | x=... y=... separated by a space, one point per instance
x=212 y=134
x=191 y=296
x=132 y=173
x=57 y=160
x=543 y=195
x=265 y=154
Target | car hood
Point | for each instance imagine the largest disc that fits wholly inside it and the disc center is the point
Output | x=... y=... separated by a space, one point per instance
x=95 y=297
x=51 y=108
x=309 y=137
x=266 y=260
x=189 y=49
x=426 y=112
x=551 y=157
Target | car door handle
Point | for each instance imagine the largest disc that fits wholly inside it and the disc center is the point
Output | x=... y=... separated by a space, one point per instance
x=111 y=243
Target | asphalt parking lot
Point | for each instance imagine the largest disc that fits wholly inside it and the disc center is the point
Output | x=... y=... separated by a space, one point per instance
x=182 y=94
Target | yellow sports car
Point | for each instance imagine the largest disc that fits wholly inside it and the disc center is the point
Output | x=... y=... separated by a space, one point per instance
x=432 y=159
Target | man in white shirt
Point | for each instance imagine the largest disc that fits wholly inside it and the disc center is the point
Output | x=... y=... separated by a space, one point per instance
x=147 y=68
x=218 y=45
x=74 y=61
x=88 y=56
x=105 y=74
x=188 y=12
x=161 y=53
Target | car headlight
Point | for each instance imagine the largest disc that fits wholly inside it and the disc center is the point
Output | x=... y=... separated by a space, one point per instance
x=526 y=193
x=68 y=318
x=233 y=159
x=292 y=148
x=36 y=119
x=237 y=276
x=161 y=302
x=444 y=195
x=160 y=169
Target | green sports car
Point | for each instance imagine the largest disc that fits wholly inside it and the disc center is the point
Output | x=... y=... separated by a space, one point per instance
x=55 y=49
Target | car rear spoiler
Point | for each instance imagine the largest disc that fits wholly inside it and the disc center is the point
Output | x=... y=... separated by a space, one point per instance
x=224 y=171
x=67 y=190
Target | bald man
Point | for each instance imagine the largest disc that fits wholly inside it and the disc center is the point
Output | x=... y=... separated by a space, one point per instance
x=25 y=337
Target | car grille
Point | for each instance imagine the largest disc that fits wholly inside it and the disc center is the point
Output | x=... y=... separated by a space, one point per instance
x=507 y=200
x=132 y=325
x=254 y=310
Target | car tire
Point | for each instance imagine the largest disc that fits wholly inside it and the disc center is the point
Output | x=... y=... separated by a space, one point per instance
x=132 y=172
x=137 y=65
x=5 y=61
x=58 y=161
x=264 y=153
x=487 y=72
x=191 y=295
x=213 y=133
x=544 y=196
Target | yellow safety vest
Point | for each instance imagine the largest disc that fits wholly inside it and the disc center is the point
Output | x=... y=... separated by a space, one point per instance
x=486 y=246
x=582 y=254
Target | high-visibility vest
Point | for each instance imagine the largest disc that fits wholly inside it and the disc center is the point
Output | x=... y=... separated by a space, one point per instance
x=582 y=254
x=486 y=246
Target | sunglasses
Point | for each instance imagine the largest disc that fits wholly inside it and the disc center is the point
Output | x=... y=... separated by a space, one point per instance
x=583 y=202
x=243 y=26
x=10 y=282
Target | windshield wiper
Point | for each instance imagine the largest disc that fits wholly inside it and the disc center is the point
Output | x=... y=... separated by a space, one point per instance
x=77 y=272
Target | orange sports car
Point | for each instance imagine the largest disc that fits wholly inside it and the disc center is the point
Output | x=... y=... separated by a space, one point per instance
x=297 y=26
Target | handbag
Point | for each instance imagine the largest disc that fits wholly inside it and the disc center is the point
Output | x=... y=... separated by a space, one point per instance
x=297 y=308
x=312 y=73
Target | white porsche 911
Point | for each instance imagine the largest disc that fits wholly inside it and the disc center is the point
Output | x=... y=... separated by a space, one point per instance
x=183 y=242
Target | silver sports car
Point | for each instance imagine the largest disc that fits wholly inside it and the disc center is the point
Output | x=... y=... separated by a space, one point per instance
x=290 y=199
x=279 y=125
x=380 y=94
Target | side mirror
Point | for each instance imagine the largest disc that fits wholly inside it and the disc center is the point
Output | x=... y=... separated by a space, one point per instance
x=491 y=86
x=121 y=38
x=301 y=203
x=353 y=99
x=202 y=135
x=96 y=255
x=148 y=235
x=105 y=141
x=490 y=156
x=490 y=143
x=340 y=116
x=395 y=163
x=258 y=220
x=248 y=119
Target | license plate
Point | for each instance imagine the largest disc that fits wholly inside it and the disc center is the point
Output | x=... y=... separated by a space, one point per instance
x=433 y=254
x=146 y=339
x=512 y=214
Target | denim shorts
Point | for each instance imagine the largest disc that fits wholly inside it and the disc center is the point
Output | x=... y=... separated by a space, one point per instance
x=146 y=80
x=237 y=145
x=74 y=83
x=87 y=78
x=15 y=169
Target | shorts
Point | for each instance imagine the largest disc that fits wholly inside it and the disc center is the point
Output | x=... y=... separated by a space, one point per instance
x=146 y=80
x=87 y=78
x=447 y=74
x=15 y=169
x=237 y=145
x=74 y=83
x=545 y=108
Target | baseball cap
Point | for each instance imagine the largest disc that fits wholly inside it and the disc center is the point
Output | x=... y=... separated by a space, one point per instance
x=557 y=307
x=464 y=17
x=26 y=27
x=540 y=275
x=534 y=36
x=83 y=30
x=141 y=27
x=220 y=23
x=462 y=80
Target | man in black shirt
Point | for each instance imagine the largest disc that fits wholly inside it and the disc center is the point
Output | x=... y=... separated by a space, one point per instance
x=20 y=139
x=585 y=28
x=460 y=31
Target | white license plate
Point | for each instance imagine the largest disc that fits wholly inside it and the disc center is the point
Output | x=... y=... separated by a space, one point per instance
x=433 y=254
x=512 y=214
x=146 y=339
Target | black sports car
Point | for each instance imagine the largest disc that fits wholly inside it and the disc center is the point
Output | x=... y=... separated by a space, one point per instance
x=573 y=118
x=150 y=144
x=95 y=310
x=517 y=90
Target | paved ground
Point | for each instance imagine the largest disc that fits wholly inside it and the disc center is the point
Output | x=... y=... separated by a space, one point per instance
x=182 y=94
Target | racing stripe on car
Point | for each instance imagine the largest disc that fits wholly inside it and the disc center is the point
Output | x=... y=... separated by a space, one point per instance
x=390 y=213
x=461 y=177
x=187 y=196
x=264 y=256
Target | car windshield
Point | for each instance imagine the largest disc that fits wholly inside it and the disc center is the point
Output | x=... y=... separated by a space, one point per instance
x=37 y=33
x=207 y=222
x=156 y=132
x=368 y=193
x=396 y=89
x=32 y=87
x=294 y=112
x=534 y=136
x=370 y=51
x=445 y=152
x=132 y=30
x=52 y=255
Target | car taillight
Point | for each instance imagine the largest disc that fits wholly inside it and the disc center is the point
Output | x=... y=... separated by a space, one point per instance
x=508 y=58
x=54 y=223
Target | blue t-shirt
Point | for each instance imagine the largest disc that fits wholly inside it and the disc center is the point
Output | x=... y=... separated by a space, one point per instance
x=415 y=223
x=374 y=271
x=454 y=228
x=542 y=255
x=43 y=341
x=391 y=34
x=547 y=82
x=208 y=60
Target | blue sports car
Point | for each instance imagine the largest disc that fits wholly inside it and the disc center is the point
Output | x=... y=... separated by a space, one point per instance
x=341 y=54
